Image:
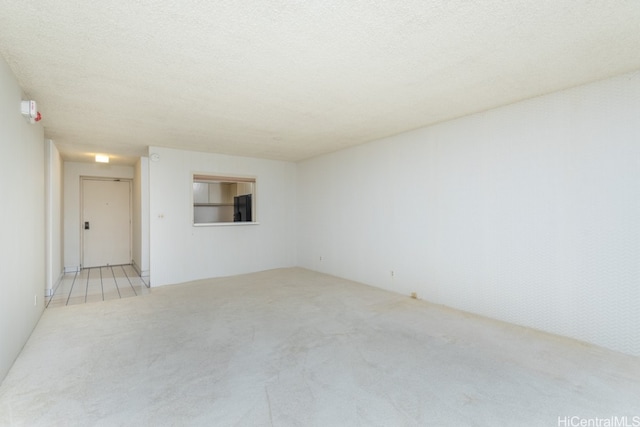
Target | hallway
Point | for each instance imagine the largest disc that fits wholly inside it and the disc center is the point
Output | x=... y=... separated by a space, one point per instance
x=98 y=284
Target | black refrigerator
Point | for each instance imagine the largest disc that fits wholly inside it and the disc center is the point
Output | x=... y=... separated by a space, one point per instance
x=242 y=208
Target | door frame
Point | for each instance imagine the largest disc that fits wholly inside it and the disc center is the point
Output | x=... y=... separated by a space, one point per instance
x=81 y=225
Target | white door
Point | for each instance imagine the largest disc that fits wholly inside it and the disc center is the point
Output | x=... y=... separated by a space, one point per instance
x=106 y=222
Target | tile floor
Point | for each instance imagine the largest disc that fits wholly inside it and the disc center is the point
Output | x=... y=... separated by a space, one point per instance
x=98 y=284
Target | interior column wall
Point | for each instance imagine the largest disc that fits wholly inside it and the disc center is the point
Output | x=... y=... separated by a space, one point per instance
x=54 y=249
x=141 y=216
x=529 y=213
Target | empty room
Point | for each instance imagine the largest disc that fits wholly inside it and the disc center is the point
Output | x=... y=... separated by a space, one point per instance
x=285 y=213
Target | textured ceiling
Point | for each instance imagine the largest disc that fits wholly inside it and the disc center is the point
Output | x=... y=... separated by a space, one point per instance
x=293 y=79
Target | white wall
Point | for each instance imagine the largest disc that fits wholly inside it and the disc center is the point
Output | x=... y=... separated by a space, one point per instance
x=22 y=222
x=141 y=216
x=72 y=173
x=528 y=213
x=53 y=190
x=180 y=252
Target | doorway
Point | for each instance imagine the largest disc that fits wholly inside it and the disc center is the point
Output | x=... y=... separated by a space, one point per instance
x=105 y=221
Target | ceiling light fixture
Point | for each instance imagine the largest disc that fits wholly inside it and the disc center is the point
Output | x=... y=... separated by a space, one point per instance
x=101 y=158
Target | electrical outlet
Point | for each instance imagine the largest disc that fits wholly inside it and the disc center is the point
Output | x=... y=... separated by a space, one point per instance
x=392 y=273
x=321 y=258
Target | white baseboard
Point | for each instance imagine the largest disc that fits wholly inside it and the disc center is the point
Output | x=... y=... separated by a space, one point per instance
x=141 y=272
x=49 y=292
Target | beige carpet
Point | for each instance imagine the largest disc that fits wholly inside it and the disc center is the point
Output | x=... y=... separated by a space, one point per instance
x=293 y=347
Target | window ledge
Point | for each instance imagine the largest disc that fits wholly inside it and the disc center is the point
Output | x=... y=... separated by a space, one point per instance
x=223 y=224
